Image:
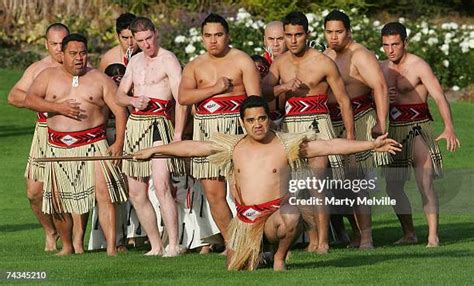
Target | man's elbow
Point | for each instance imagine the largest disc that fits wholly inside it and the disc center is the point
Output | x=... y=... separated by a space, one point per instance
x=184 y=100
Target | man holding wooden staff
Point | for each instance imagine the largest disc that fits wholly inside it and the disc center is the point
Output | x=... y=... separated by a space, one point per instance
x=75 y=97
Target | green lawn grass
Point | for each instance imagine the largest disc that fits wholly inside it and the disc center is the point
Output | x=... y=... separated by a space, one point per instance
x=21 y=238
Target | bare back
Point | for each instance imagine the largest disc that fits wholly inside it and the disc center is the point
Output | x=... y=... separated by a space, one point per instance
x=89 y=94
x=261 y=171
x=404 y=81
x=346 y=63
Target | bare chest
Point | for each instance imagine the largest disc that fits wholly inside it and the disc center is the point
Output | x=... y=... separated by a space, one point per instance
x=208 y=73
x=260 y=163
x=310 y=73
x=402 y=80
x=149 y=73
x=82 y=91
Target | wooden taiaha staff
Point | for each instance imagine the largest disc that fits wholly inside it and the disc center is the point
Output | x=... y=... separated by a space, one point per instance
x=98 y=158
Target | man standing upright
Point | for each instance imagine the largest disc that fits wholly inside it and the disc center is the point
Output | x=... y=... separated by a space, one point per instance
x=273 y=41
x=35 y=171
x=304 y=76
x=155 y=74
x=127 y=47
x=362 y=76
x=217 y=82
x=274 y=45
x=410 y=80
x=75 y=97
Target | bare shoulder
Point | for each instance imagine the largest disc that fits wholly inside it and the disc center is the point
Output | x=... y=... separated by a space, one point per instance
x=320 y=57
x=96 y=74
x=417 y=64
x=168 y=55
x=110 y=56
x=330 y=53
x=191 y=66
x=239 y=56
x=136 y=59
x=361 y=52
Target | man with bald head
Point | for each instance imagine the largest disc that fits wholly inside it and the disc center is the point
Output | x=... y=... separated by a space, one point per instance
x=34 y=171
x=274 y=45
x=273 y=41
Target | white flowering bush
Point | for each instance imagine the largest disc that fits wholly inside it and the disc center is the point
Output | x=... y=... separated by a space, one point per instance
x=448 y=47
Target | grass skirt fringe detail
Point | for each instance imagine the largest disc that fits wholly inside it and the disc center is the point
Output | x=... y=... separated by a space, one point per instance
x=35 y=170
x=139 y=136
x=405 y=133
x=69 y=187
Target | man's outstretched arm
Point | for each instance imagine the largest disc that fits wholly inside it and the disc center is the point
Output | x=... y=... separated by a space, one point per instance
x=345 y=147
x=186 y=148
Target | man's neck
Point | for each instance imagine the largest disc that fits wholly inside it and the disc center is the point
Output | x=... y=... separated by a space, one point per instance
x=266 y=140
x=301 y=55
x=221 y=55
x=400 y=63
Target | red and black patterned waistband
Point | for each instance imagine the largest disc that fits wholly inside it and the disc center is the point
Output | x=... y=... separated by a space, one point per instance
x=316 y=104
x=220 y=105
x=42 y=117
x=253 y=213
x=359 y=104
x=156 y=107
x=76 y=138
x=409 y=112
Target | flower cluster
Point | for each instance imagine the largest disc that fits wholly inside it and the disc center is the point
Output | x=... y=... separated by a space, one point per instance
x=448 y=47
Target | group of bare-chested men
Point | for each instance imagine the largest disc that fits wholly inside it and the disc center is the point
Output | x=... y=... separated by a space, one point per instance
x=341 y=92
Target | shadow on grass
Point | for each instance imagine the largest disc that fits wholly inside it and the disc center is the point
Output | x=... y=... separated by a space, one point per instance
x=8 y=130
x=18 y=227
x=374 y=258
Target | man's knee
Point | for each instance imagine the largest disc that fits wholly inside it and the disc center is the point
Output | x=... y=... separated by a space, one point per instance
x=138 y=197
x=34 y=192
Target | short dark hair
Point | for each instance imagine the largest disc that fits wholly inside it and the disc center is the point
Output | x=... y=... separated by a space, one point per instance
x=124 y=21
x=141 y=24
x=394 y=28
x=115 y=69
x=296 y=18
x=57 y=27
x=252 y=102
x=336 y=15
x=214 y=18
x=74 y=37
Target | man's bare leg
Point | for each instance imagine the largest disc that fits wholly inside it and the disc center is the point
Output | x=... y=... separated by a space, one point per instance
x=424 y=179
x=215 y=191
x=281 y=228
x=34 y=191
x=321 y=214
x=313 y=239
x=79 y=224
x=138 y=194
x=402 y=208
x=169 y=210
x=63 y=224
x=106 y=210
x=364 y=223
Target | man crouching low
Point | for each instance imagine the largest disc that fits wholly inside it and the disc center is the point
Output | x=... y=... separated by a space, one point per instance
x=258 y=164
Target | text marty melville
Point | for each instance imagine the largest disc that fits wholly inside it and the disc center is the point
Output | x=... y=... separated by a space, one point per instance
x=383 y=201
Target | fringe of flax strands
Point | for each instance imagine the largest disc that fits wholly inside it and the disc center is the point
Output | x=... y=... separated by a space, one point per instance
x=321 y=124
x=69 y=186
x=206 y=126
x=35 y=170
x=139 y=136
x=363 y=123
x=246 y=238
x=405 y=133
